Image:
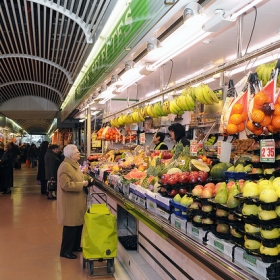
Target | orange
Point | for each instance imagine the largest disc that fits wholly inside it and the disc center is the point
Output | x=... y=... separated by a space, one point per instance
x=278 y=100
x=275 y=122
x=258 y=116
x=260 y=98
x=276 y=110
x=232 y=128
x=266 y=121
x=235 y=119
x=258 y=131
x=237 y=108
x=240 y=127
x=271 y=129
x=250 y=125
x=244 y=116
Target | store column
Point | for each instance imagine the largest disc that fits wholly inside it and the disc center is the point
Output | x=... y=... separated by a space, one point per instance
x=88 y=136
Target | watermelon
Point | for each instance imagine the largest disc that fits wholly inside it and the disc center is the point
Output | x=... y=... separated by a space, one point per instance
x=218 y=170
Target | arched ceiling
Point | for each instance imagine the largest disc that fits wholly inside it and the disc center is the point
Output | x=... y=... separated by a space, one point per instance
x=43 y=45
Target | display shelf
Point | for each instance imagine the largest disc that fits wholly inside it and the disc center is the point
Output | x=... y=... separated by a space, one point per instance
x=180 y=239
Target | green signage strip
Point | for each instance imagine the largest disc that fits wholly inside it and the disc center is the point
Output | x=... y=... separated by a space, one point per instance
x=134 y=17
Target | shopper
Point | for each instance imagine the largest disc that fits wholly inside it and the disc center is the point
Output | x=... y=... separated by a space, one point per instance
x=7 y=169
x=52 y=163
x=41 y=167
x=32 y=155
x=71 y=201
x=158 y=140
x=178 y=134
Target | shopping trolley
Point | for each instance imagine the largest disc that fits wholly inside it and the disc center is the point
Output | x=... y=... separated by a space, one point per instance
x=99 y=238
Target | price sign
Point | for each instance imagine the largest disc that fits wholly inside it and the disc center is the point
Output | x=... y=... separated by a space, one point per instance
x=193 y=148
x=219 y=144
x=267 y=147
x=142 y=138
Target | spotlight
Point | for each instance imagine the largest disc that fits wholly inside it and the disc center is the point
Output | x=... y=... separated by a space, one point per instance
x=192 y=9
x=128 y=65
x=153 y=44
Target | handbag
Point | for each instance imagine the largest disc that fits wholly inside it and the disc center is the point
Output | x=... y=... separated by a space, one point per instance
x=51 y=185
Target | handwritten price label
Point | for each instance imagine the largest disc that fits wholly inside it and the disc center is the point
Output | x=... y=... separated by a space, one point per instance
x=219 y=150
x=267 y=147
x=193 y=148
x=142 y=137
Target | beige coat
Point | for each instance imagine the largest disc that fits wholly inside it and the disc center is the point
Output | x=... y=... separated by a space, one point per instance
x=71 y=199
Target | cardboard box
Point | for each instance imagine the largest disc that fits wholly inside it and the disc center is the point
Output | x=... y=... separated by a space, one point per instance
x=163 y=214
x=163 y=202
x=221 y=245
x=196 y=232
x=253 y=263
x=140 y=191
x=178 y=222
x=151 y=205
x=125 y=189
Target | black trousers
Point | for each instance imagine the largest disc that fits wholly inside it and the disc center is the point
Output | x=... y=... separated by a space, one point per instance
x=71 y=239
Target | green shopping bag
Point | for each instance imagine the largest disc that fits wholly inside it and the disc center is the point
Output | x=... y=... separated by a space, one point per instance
x=100 y=238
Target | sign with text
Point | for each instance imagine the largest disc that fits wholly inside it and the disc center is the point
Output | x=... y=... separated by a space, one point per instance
x=267 y=153
x=142 y=138
x=193 y=148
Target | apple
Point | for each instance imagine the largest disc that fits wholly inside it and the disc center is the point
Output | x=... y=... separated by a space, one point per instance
x=210 y=185
x=269 y=251
x=173 y=193
x=197 y=219
x=270 y=234
x=172 y=180
x=230 y=185
x=183 y=178
x=182 y=191
x=256 y=170
x=221 y=213
x=166 y=155
x=255 y=158
x=193 y=177
x=252 y=244
x=207 y=208
x=164 y=178
x=207 y=193
x=222 y=228
x=195 y=205
x=197 y=190
x=231 y=217
x=235 y=233
x=207 y=221
x=202 y=176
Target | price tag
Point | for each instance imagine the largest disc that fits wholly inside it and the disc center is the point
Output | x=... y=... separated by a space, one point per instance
x=267 y=147
x=193 y=148
x=219 y=149
x=142 y=138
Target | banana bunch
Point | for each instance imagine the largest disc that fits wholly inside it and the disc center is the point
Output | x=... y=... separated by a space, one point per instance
x=150 y=111
x=189 y=91
x=205 y=95
x=264 y=71
x=137 y=116
x=158 y=109
x=114 y=123
x=174 y=108
x=185 y=102
x=166 y=107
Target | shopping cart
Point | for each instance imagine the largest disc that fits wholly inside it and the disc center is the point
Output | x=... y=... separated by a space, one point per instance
x=100 y=238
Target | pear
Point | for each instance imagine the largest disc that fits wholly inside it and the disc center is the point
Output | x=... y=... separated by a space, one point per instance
x=249 y=209
x=277 y=210
x=265 y=184
x=239 y=168
x=276 y=182
x=250 y=190
x=268 y=196
x=251 y=228
x=177 y=198
x=248 y=168
x=231 y=169
x=222 y=195
x=269 y=251
x=252 y=244
x=186 y=201
x=268 y=171
x=267 y=215
x=270 y=234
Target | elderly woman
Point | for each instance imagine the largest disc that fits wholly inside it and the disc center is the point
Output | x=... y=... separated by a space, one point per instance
x=71 y=202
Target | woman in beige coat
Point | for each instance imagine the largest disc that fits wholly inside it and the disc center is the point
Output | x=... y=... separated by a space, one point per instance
x=71 y=202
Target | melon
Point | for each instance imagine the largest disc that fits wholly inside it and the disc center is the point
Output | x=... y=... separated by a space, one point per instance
x=218 y=170
x=174 y=170
x=197 y=165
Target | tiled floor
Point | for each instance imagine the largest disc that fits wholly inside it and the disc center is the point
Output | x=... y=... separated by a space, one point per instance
x=30 y=236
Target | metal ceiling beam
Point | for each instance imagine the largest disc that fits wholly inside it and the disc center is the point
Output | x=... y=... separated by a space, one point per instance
x=33 y=83
x=86 y=29
x=67 y=74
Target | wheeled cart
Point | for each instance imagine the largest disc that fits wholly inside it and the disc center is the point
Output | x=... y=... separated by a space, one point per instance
x=100 y=238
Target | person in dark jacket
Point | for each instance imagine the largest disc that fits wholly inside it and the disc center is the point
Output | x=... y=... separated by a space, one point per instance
x=41 y=167
x=178 y=133
x=52 y=163
x=158 y=140
x=7 y=169
x=32 y=154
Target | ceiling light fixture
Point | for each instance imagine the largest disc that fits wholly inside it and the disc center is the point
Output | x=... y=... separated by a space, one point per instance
x=129 y=65
x=153 y=44
x=192 y=9
x=169 y=2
